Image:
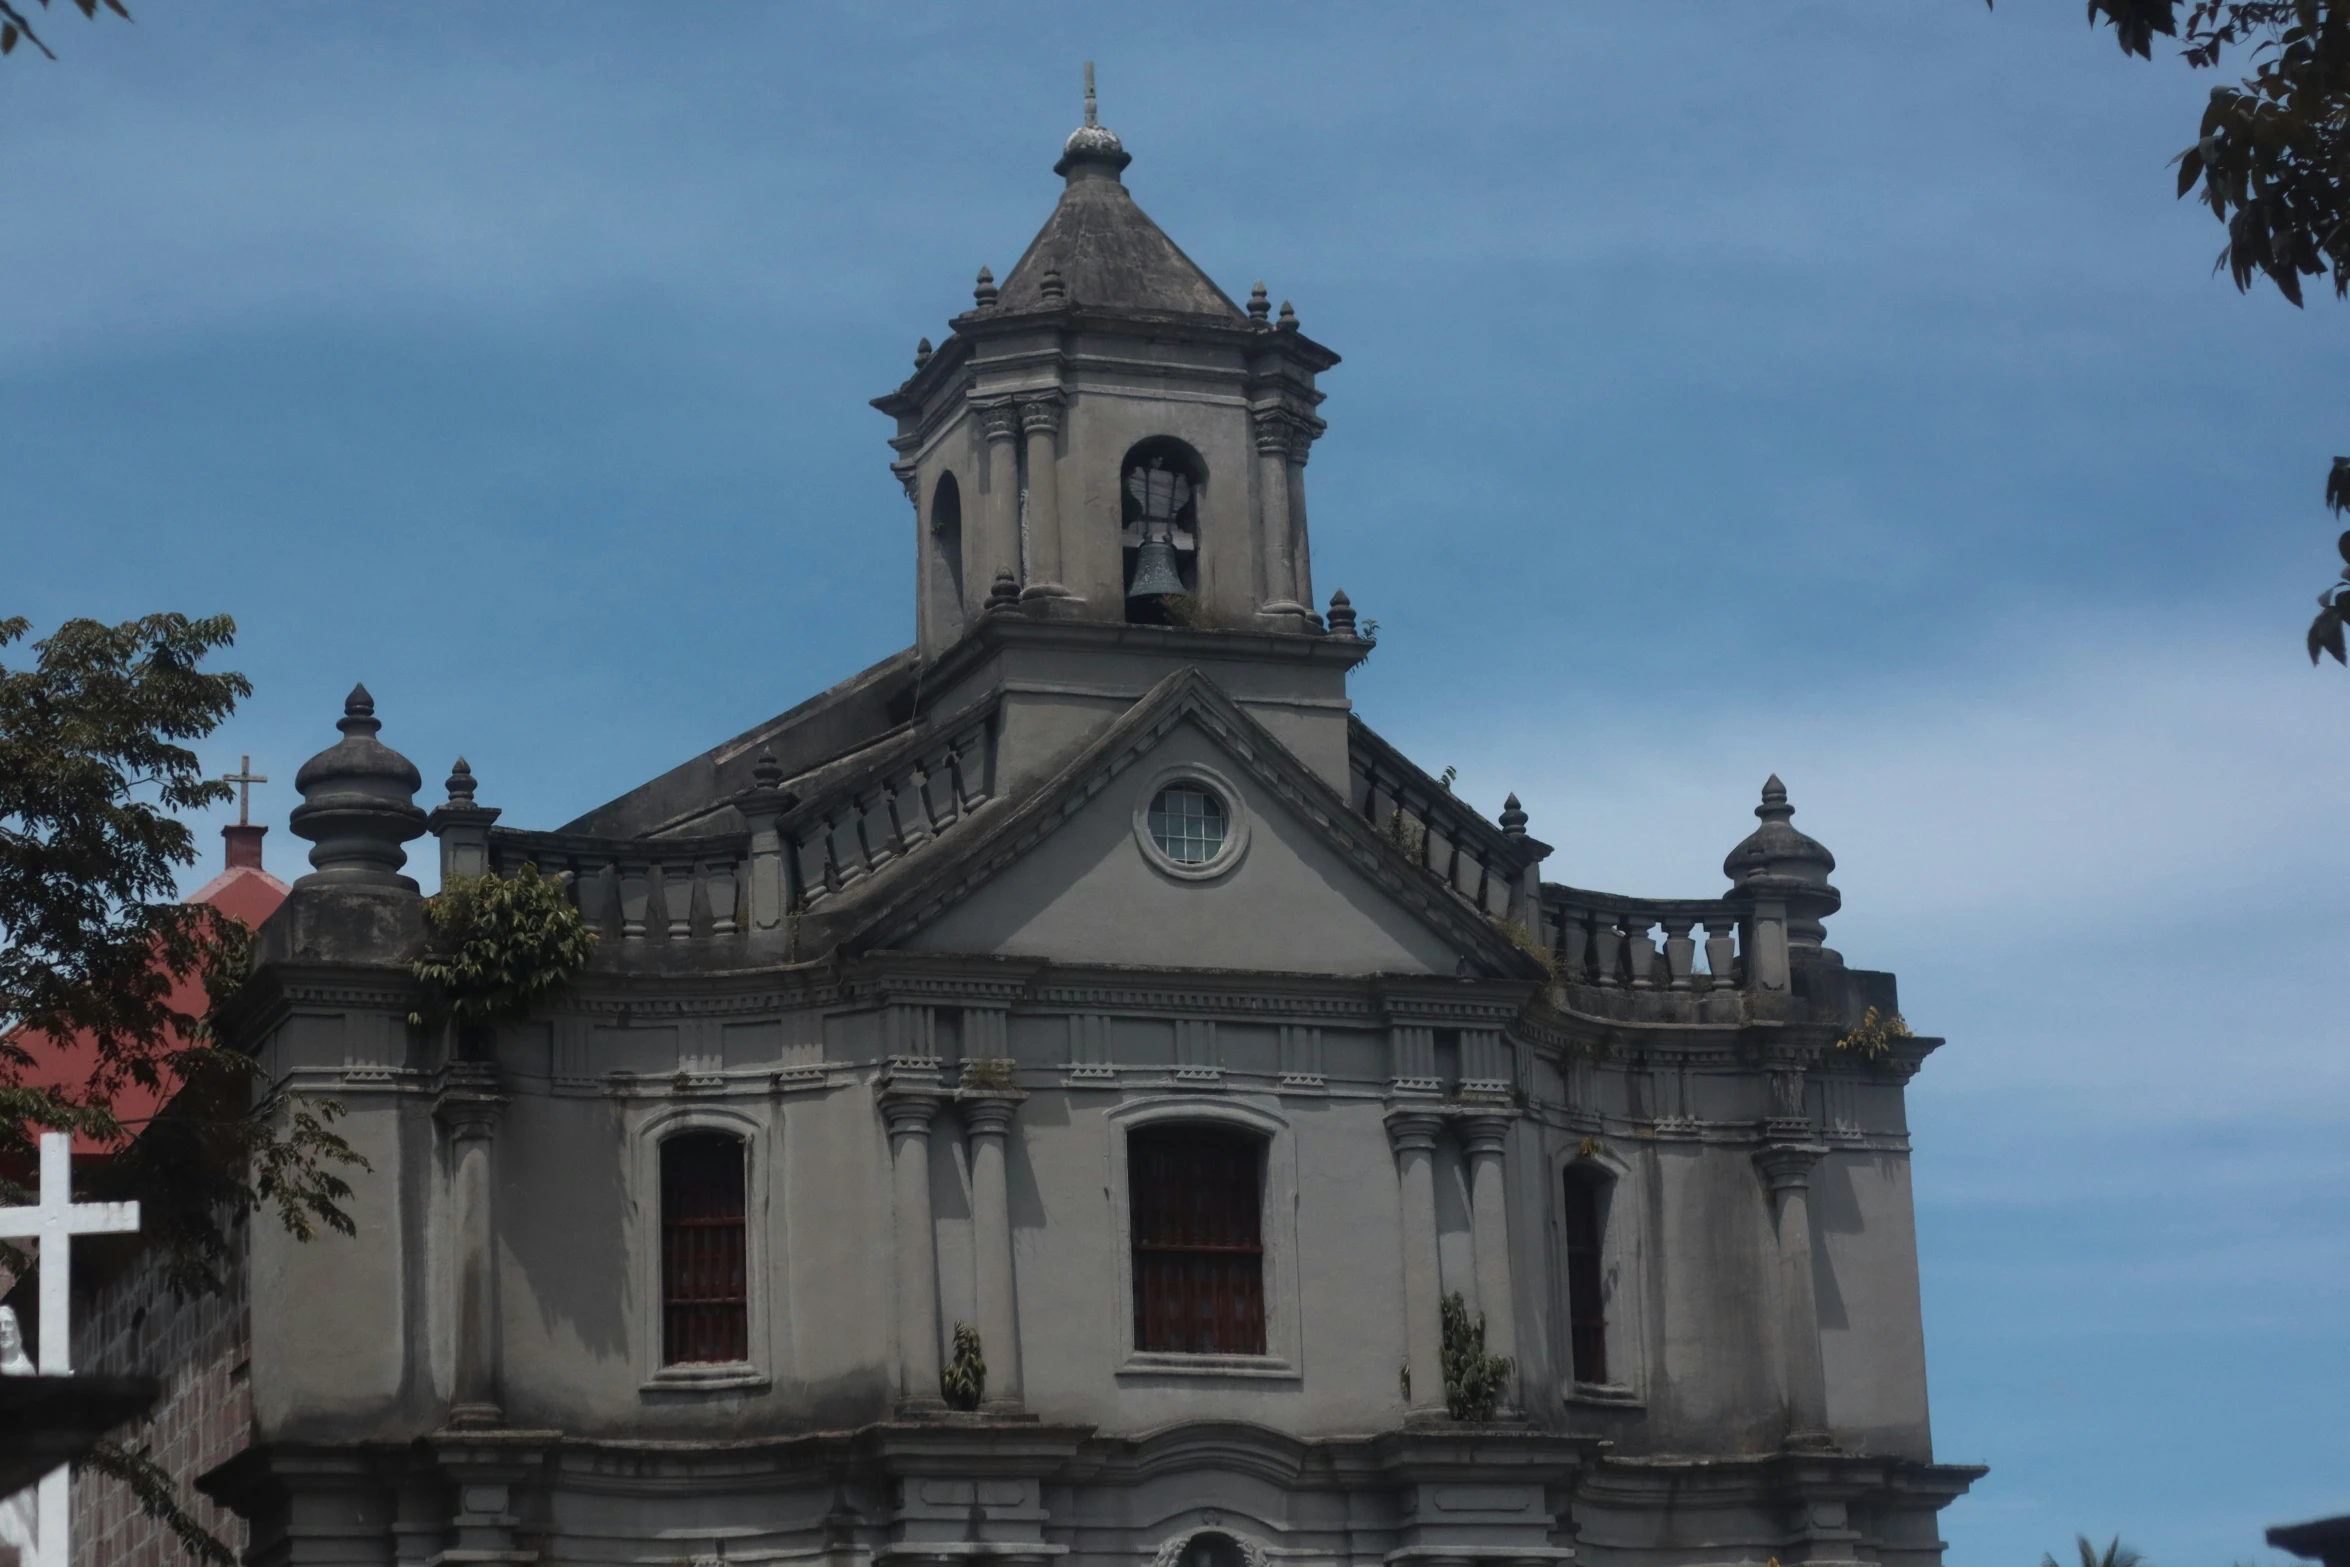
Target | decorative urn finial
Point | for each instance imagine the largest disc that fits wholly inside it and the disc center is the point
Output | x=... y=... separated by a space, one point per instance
x=1513 y=818
x=766 y=772
x=358 y=804
x=461 y=783
x=922 y=353
x=1003 y=596
x=984 y=292
x=1288 y=321
x=1779 y=862
x=1259 y=305
x=1092 y=145
x=1342 y=614
x=1051 y=287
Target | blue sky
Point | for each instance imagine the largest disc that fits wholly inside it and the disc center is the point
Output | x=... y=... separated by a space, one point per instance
x=1833 y=389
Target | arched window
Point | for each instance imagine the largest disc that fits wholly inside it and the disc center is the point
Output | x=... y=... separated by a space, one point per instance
x=705 y=1271
x=1208 y=1548
x=1199 y=1246
x=1584 y=1212
x=1159 y=484
x=946 y=533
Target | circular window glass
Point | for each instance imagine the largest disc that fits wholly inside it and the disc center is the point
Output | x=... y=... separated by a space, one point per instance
x=1187 y=823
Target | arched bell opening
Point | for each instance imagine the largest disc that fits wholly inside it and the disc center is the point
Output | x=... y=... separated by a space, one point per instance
x=946 y=536
x=1159 y=483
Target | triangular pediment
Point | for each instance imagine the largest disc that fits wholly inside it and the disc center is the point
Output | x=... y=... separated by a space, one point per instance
x=1073 y=872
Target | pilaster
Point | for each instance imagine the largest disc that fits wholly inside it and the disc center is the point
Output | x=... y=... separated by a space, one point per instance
x=988 y=1109
x=909 y=1107
x=469 y=1106
x=1412 y=1134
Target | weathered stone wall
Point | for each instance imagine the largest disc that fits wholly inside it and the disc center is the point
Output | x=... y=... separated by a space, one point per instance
x=200 y=1349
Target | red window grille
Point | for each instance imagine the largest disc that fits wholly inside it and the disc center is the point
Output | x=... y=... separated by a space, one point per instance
x=705 y=1273
x=1586 y=1319
x=1199 y=1253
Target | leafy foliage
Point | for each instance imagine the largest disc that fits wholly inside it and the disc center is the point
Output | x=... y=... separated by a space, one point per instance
x=1875 y=1037
x=14 y=26
x=94 y=942
x=963 y=1383
x=2325 y=632
x=151 y=1486
x=1474 y=1381
x=502 y=945
x=1514 y=931
x=2115 y=1554
x=2272 y=161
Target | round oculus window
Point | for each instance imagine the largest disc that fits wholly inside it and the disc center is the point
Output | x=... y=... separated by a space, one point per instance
x=1188 y=824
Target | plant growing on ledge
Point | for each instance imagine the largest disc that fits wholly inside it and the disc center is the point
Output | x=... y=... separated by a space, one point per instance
x=964 y=1381
x=501 y=945
x=1473 y=1380
x=991 y=1074
x=1873 y=1040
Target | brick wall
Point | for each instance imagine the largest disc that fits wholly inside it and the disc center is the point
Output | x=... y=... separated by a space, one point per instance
x=200 y=1348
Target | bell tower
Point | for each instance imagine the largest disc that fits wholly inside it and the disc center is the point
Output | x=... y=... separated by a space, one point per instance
x=1110 y=431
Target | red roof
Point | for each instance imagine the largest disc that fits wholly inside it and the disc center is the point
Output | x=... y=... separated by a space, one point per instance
x=244 y=891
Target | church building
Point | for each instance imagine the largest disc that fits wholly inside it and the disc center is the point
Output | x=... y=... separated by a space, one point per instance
x=1073 y=1095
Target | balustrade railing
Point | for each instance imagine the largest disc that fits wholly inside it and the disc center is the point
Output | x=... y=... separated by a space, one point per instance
x=1601 y=939
x=661 y=889
x=797 y=853
x=1445 y=835
x=859 y=824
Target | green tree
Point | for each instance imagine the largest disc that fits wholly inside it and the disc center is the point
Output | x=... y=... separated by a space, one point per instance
x=2115 y=1554
x=2271 y=159
x=15 y=26
x=94 y=944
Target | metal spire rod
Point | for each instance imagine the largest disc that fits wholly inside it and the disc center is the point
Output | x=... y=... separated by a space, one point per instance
x=1092 y=116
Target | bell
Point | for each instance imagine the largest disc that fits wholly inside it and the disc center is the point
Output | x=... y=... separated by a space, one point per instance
x=1154 y=571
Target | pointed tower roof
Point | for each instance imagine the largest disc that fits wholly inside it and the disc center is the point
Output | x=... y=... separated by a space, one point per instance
x=1105 y=250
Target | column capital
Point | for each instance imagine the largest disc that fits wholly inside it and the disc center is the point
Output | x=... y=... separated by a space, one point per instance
x=988 y=1112
x=469 y=1102
x=1486 y=1131
x=998 y=421
x=1410 y=1129
x=910 y=1108
x=1040 y=414
x=1786 y=1167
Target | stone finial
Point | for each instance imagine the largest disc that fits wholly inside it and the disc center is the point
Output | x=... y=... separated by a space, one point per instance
x=1288 y=321
x=1513 y=818
x=358 y=804
x=984 y=292
x=462 y=826
x=766 y=772
x=922 y=353
x=1093 y=142
x=1779 y=863
x=1342 y=615
x=1003 y=597
x=1051 y=286
x=1259 y=306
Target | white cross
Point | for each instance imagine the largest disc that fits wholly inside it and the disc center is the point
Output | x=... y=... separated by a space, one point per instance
x=53 y=1220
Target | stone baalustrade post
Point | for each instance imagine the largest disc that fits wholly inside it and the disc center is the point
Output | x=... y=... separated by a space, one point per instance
x=1413 y=1135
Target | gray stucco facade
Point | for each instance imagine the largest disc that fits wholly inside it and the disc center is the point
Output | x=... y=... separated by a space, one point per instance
x=917 y=945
